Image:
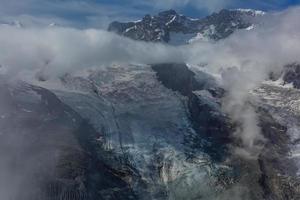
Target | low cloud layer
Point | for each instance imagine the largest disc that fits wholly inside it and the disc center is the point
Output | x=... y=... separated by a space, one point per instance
x=60 y=50
x=242 y=61
x=57 y=49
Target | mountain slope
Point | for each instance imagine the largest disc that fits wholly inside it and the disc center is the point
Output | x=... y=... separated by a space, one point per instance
x=48 y=151
x=173 y=28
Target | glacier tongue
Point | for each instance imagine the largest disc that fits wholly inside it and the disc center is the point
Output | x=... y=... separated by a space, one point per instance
x=147 y=126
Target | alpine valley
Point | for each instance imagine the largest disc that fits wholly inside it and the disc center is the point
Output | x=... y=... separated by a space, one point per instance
x=158 y=131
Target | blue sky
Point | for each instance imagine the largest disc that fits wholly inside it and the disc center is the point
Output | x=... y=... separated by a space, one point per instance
x=98 y=13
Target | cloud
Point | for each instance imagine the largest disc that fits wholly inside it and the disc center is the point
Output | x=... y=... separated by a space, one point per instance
x=242 y=61
x=74 y=13
x=245 y=60
x=58 y=50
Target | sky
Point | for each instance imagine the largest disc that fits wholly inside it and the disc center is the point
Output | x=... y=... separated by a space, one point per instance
x=99 y=13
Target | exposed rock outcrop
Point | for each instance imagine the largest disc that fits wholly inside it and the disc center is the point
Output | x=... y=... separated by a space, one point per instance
x=171 y=27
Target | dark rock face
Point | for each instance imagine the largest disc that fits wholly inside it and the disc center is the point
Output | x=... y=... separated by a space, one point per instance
x=49 y=152
x=177 y=77
x=210 y=123
x=203 y=104
x=159 y=28
x=227 y=21
x=292 y=75
x=156 y=28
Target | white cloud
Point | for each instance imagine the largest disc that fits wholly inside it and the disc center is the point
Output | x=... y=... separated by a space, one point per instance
x=250 y=56
x=58 y=49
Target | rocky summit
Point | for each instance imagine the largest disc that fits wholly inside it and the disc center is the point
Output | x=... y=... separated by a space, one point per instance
x=173 y=28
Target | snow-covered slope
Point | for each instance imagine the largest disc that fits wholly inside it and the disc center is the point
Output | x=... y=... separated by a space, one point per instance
x=160 y=133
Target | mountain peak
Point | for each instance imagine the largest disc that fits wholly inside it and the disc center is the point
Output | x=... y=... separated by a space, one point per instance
x=170 y=27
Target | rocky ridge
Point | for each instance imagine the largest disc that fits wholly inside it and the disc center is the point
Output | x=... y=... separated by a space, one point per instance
x=173 y=28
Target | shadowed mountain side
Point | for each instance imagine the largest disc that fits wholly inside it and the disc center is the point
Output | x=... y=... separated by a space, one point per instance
x=203 y=104
x=49 y=152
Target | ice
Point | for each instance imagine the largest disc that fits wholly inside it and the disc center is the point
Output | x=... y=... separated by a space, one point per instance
x=140 y=119
x=171 y=21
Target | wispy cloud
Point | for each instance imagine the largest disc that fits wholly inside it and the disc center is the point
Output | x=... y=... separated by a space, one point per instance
x=248 y=55
x=98 y=13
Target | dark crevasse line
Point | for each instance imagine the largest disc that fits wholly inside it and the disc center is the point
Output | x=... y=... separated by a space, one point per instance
x=202 y=104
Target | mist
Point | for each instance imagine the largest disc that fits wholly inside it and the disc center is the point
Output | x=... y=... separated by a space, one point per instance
x=60 y=50
x=240 y=63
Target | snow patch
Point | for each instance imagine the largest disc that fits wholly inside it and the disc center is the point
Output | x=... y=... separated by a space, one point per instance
x=199 y=37
x=254 y=12
x=279 y=83
x=250 y=28
x=171 y=21
x=137 y=21
x=129 y=29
